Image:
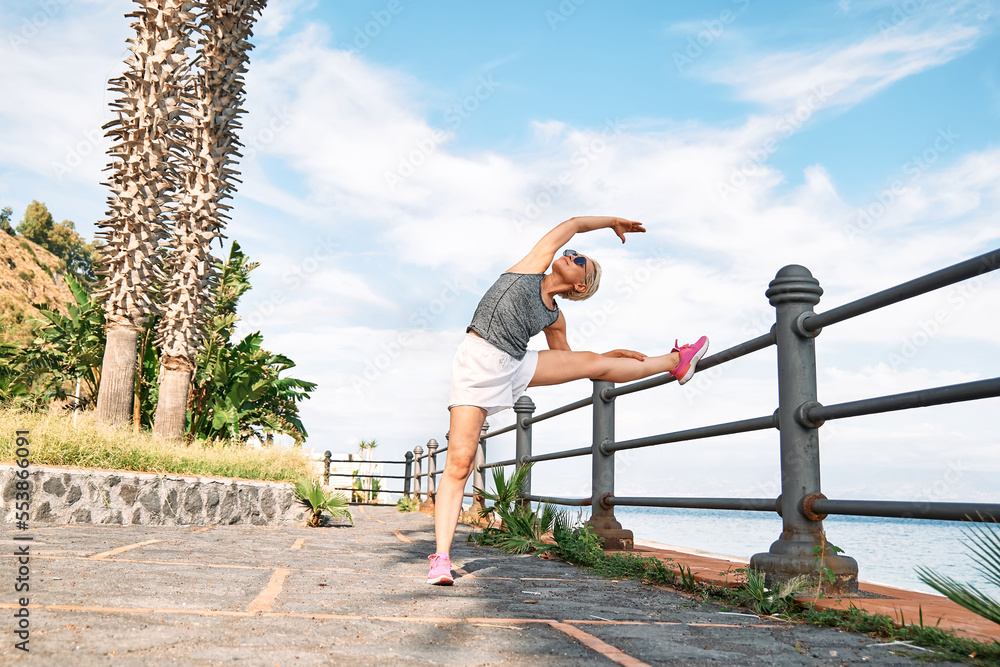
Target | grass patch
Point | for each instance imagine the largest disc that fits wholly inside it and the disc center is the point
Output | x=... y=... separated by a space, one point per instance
x=55 y=441
x=942 y=644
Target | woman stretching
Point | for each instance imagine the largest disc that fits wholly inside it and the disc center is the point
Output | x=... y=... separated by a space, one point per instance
x=493 y=366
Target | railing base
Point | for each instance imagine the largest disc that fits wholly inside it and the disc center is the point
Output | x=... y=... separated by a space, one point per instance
x=617 y=540
x=426 y=507
x=615 y=537
x=470 y=517
x=779 y=568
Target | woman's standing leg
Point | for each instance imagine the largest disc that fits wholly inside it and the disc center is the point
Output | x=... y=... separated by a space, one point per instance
x=463 y=438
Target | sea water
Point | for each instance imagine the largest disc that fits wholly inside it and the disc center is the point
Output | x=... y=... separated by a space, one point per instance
x=887 y=550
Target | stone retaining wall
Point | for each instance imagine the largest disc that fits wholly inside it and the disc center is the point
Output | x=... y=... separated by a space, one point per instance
x=71 y=495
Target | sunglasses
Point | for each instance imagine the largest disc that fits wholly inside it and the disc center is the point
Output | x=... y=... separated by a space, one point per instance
x=577 y=258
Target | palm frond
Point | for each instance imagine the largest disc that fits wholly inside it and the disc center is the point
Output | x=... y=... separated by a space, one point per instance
x=966 y=595
x=984 y=543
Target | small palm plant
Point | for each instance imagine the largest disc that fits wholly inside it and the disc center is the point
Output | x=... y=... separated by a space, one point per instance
x=311 y=494
x=767 y=601
x=521 y=529
x=984 y=545
x=407 y=504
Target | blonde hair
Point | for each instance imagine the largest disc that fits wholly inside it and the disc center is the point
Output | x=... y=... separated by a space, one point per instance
x=592 y=280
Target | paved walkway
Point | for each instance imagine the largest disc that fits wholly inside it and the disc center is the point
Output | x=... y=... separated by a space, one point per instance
x=140 y=595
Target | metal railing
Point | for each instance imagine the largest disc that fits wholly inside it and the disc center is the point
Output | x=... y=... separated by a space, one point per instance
x=798 y=418
x=406 y=476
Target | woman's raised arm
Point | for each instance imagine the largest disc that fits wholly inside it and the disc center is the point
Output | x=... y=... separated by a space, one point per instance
x=540 y=257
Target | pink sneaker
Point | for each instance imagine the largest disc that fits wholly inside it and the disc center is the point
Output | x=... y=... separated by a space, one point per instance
x=440 y=573
x=690 y=356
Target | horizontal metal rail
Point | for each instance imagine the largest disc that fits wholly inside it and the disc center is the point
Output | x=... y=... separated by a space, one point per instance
x=970 y=268
x=365 y=461
x=742 y=426
x=567 y=454
x=582 y=403
x=499 y=464
x=741 y=350
x=575 y=502
x=922 y=398
x=347 y=474
x=749 y=504
x=501 y=431
x=910 y=510
x=427 y=455
x=350 y=488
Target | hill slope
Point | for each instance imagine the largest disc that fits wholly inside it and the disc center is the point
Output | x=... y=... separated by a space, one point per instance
x=28 y=275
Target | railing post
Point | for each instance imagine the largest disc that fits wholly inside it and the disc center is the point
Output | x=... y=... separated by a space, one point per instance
x=417 y=451
x=428 y=505
x=523 y=409
x=477 y=471
x=793 y=293
x=326 y=467
x=407 y=471
x=602 y=517
x=354 y=494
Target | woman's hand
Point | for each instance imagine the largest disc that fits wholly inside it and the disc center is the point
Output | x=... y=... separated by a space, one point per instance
x=629 y=354
x=621 y=227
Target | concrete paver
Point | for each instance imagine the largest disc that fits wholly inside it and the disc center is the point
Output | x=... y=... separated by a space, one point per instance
x=358 y=596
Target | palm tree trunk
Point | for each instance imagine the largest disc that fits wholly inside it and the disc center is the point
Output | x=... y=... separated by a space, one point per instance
x=212 y=99
x=145 y=113
x=171 y=405
x=114 y=401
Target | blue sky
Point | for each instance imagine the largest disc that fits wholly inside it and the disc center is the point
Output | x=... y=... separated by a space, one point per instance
x=388 y=182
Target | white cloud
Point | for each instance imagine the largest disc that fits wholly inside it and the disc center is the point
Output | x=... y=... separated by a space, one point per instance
x=844 y=76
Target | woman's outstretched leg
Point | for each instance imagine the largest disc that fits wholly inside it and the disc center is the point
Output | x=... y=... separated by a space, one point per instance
x=559 y=366
x=463 y=437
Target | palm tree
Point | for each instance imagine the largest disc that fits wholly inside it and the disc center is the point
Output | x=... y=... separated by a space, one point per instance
x=212 y=106
x=141 y=182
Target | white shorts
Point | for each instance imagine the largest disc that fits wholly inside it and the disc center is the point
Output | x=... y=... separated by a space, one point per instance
x=487 y=377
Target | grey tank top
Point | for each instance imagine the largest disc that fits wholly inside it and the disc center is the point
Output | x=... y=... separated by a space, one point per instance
x=512 y=311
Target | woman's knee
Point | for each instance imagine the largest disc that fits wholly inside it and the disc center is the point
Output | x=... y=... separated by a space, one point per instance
x=595 y=365
x=459 y=467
